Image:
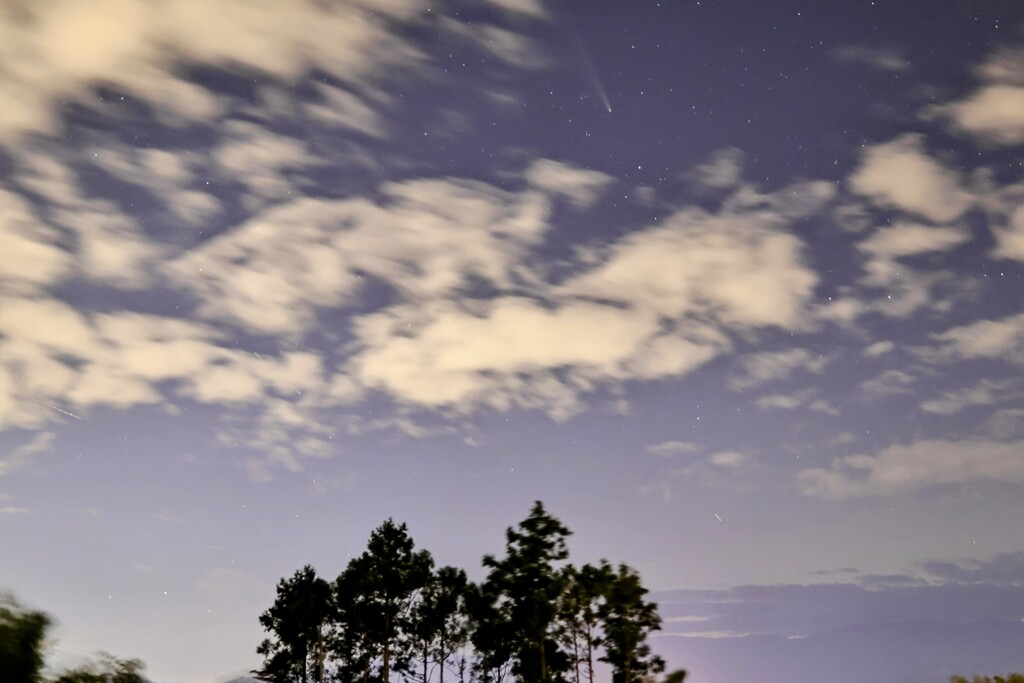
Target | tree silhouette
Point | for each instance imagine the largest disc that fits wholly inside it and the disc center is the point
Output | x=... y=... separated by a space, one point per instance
x=22 y=633
x=381 y=586
x=107 y=669
x=298 y=620
x=389 y=615
x=527 y=581
x=584 y=591
x=439 y=622
x=627 y=619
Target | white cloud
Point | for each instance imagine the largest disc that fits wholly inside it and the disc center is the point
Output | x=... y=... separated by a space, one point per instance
x=347 y=110
x=728 y=459
x=823 y=406
x=167 y=174
x=903 y=239
x=805 y=399
x=108 y=245
x=17 y=457
x=261 y=160
x=723 y=170
x=581 y=186
x=886 y=59
x=623 y=318
x=1010 y=237
x=668 y=448
x=1002 y=338
x=879 y=349
x=737 y=268
x=427 y=238
x=994 y=113
x=533 y=9
x=510 y=46
x=888 y=383
x=783 y=401
x=31 y=261
x=906 y=288
x=769 y=366
x=62 y=47
x=982 y=393
x=506 y=355
x=912 y=467
x=900 y=174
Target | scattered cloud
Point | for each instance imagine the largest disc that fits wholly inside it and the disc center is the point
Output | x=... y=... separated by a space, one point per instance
x=886 y=59
x=992 y=113
x=782 y=401
x=879 y=349
x=887 y=383
x=668 y=448
x=903 y=239
x=580 y=186
x=724 y=170
x=999 y=338
x=58 y=50
x=982 y=393
x=900 y=174
x=911 y=467
x=772 y=366
x=1010 y=237
x=39 y=443
x=728 y=459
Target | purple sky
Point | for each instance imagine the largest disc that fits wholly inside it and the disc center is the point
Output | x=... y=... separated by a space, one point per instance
x=735 y=288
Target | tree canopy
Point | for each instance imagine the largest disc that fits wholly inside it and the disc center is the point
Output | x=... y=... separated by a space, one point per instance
x=390 y=615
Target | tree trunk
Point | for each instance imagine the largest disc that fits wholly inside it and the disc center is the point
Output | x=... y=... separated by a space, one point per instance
x=320 y=656
x=425 y=655
x=576 y=652
x=387 y=650
x=590 y=654
x=444 y=658
x=543 y=658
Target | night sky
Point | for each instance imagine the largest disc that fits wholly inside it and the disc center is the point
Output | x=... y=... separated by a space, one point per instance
x=735 y=287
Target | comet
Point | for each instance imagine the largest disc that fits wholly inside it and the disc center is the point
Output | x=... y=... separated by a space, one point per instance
x=588 y=66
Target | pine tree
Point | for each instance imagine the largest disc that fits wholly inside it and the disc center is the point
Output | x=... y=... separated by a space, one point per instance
x=627 y=618
x=584 y=591
x=381 y=585
x=298 y=620
x=526 y=585
x=439 y=623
